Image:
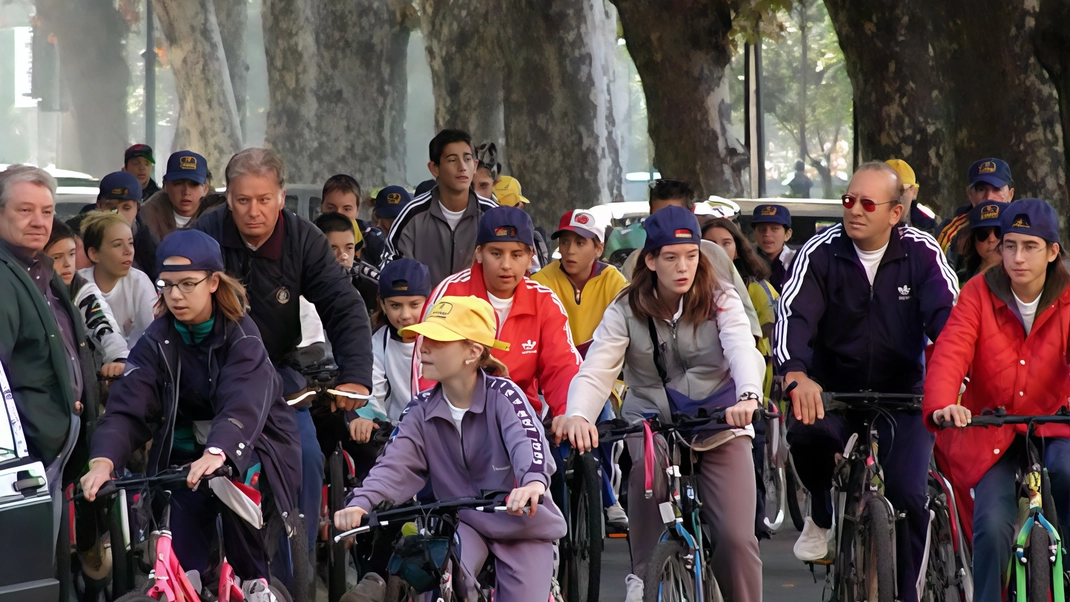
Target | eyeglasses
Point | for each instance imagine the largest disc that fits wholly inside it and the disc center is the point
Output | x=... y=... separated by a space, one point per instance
x=185 y=287
x=870 y=205
x=982 y=234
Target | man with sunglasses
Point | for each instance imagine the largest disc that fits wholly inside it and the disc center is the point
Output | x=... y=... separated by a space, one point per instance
x=861 y=299
x=989 y=180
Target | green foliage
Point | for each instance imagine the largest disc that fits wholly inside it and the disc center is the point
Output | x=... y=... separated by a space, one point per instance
x=813 y=119
x=758 y=19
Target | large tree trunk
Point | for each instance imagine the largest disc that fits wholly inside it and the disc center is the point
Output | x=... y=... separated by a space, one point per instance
x=233 y=16
x=681 y=50
x=460 y=37
x=1052 y=41
x=292 y=68
x=208 y=117
x=338 y=88
x=96 y=78
x=929 y=90
x=559 y=132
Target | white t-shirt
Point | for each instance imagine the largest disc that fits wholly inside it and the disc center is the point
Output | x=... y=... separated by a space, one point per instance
x=501 y=307
x=452 y=217
x=870 y=260
x=132 y=302
x=456 y=413
x=182 y=222
x=1028 y=311
x=391 y=373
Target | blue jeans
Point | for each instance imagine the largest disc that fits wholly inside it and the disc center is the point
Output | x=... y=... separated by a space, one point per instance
x=311 y=475
x=996 y=509
x=905 y=460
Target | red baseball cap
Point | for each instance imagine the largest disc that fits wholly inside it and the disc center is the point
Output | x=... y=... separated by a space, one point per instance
x=582 y=222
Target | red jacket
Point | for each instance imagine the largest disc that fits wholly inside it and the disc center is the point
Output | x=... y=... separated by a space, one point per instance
x=541 y=354
x=984 y=338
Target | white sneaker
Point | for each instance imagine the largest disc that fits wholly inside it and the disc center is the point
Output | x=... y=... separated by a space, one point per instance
x=617 y=517
x=634 y=587
x=813 y=543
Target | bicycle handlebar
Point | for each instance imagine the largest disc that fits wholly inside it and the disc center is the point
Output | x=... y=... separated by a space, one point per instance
x=862 y=400
x=171 y=476
x=612 y=430
x=491 y=502
x=1001 y=418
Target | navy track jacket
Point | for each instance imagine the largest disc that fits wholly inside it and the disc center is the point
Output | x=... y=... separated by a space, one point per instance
x=851 y=336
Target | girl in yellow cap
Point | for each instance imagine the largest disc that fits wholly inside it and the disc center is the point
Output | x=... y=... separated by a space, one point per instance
x=472 y=432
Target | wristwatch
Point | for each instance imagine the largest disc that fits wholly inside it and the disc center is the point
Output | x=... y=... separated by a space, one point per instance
x=749 y=396
x=215 y=451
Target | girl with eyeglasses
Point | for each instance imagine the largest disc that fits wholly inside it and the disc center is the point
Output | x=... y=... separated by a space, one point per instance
x=200 y=386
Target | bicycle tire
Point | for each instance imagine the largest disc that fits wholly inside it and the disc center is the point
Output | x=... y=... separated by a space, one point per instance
x=793 y=489
x=122 y=573
x=336 y=560
x=667 y=567
x=584 y=563
x=942 y=583
x=1037 y=566
x=875 y=561
x=280 y=591
x=304 y=586
x=775 y=496
x=398 y=590
x=136 y=597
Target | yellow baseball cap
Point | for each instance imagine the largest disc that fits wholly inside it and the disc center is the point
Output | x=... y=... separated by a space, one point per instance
x=459 y=319
x=906 y=173
x=507 y=190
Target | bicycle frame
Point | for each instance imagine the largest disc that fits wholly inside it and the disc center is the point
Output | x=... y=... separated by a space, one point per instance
x=684 y=504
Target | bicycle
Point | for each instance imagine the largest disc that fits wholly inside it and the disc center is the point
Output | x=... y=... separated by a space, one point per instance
x=863 y=567
x=1037 y=561
x=167 y=580
x=578 y=486
x=774 y=475
x=948 y=566
x=678 y=568
x=427 y=559
x=340 y=470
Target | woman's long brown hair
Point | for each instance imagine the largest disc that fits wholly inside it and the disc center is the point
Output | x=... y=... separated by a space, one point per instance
x=751 y=267
x=699 y=302
x=229 y=298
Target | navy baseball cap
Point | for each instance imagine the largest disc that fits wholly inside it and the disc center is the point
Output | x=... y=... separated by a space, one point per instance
x=986 y=214
x=201 y=250
x=506 y=224
x=991 y=171
x=672 y=225
x=390 y=201
x=186 y=165
x=425 y=186
x=771 y=214
x=403 y=277
x=119 y=185
x=1032 y=217
x=139 y=150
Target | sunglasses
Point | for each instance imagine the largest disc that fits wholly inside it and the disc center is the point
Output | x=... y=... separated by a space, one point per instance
x=870 y=205
x=982 y=234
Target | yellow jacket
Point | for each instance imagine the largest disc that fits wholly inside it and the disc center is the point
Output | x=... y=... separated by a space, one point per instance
x=604 y=286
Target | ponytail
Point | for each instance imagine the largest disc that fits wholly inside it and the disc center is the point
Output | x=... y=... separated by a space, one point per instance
x=492 y=365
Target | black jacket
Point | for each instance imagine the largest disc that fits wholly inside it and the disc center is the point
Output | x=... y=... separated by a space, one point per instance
x=296 y=260
x=230 y=370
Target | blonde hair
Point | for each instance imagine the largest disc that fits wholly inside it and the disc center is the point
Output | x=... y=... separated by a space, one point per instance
x=95 y=225
x=229 y=298
x=490 y=364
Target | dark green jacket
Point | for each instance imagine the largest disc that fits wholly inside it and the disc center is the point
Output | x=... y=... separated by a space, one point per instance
x=32 y=350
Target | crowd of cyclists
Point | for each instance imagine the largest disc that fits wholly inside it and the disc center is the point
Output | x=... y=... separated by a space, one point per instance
x=449 y=323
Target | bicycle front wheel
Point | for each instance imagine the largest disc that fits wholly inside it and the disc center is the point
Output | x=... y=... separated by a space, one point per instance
x=1037 y=567
x=336 y=567
x=670 y=576
x=794 y=496
x=584 y=563
x=874 y=560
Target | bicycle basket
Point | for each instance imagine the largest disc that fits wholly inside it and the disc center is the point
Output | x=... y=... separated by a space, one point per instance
x=419 y=560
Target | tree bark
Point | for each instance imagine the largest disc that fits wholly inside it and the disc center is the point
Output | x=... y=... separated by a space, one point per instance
x=233 y=16
x=930 y=90
x=681 y=50
x=460 y=37
x=559 y=120
x=337 y=76
x=208 y=117
x=1052 y=42
x=96 y=78
x=292 y=68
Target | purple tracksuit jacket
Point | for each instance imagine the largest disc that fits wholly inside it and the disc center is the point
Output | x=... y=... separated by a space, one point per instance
x=501 y=446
